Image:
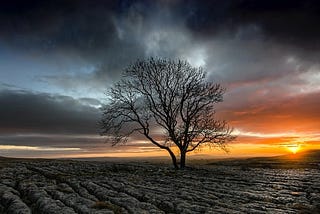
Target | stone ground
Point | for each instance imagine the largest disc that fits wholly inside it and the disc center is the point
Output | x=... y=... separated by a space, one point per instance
x=55 y=186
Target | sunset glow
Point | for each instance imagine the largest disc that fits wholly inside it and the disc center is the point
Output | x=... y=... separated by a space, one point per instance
x=58 y=60
x=294 y=148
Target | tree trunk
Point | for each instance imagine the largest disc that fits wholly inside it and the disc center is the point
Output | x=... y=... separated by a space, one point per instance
x=174 y=159
x=182 y=159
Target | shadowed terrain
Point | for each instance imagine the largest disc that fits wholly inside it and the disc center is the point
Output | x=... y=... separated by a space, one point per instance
x=233 y=186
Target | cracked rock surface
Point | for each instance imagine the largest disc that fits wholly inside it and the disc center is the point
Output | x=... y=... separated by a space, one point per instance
x=87 y=187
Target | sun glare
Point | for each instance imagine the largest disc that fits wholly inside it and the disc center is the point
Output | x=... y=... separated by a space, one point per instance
x=294 y=148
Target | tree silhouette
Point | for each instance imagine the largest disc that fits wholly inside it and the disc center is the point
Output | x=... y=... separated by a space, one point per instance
x=166 y=94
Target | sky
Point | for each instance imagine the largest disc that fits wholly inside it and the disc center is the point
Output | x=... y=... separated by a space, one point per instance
x=59 y=57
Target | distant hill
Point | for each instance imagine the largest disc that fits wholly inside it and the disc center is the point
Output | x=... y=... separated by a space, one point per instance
x=5 y=158
x=306 y=159
x=310 y=155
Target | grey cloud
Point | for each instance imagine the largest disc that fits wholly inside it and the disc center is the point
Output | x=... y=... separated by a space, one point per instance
x=74 y=141
x=84 y=27
x=112 y=34
x=91 y=27
x=63 y=142
x=27 y=112
x=233 y=60
x=90 y=101
x=138 y=34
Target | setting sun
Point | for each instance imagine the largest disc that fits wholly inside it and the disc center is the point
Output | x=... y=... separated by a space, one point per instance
x=294 y=148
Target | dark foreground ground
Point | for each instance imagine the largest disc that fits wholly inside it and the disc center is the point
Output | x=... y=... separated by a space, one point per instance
x=56 y=186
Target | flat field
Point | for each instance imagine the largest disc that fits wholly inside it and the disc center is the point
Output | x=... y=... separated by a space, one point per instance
x=235 y=186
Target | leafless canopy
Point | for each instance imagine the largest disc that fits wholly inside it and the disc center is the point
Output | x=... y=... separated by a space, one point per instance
x=169 y=94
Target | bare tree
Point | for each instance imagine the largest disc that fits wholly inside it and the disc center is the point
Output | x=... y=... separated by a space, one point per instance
x=171 y=95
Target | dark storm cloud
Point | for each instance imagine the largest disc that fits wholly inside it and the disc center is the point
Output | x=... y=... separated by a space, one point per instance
x=26 y=112
x=113 y=34
x=292 y=22
x=84 y=27
x=90 y=27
